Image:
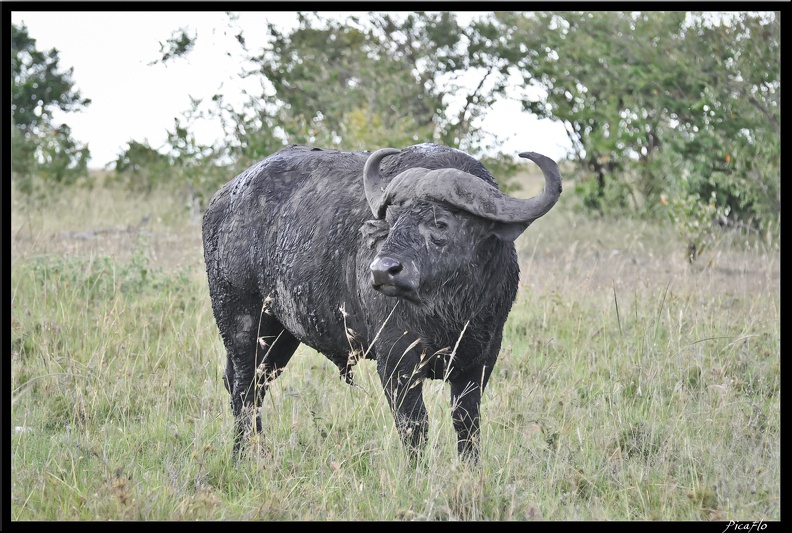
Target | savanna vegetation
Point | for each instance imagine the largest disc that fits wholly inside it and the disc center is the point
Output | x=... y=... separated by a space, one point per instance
x=639 y=377
x=631 y=385
x=671 y=115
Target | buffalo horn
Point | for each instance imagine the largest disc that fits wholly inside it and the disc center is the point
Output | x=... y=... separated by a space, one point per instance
x=462 y=190
x=373 y=181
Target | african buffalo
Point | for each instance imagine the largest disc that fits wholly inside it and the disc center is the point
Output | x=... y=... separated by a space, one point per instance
x=412 y=264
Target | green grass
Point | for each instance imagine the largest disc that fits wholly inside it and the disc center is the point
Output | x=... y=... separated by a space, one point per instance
x=631 y=386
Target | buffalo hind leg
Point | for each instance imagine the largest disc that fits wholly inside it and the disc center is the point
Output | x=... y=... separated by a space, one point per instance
x=258 y=349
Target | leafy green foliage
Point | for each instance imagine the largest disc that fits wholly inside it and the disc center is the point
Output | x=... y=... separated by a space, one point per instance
x=38 y=85
x=611 y=197
x=648 y=95
x=325 y=70
x=179 y=45
x=40 y=149
x=727 y=139
x=696 y=221
x=189 y=168
x=141 y=166
x=671 y=105
x=350 y=85
x=62 y=159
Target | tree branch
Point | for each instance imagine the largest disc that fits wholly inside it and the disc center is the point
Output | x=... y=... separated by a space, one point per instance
x=766 y=113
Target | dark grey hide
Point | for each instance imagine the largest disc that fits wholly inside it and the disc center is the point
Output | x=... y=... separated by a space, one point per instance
x=295 y=253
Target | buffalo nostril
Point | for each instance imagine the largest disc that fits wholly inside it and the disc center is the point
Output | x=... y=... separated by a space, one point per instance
x=384 y=269
x=395 y=269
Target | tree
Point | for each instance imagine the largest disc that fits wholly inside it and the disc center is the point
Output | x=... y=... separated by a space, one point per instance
x=729 y=134
x=38 y=87
x=656 y=103
x=357 y=84
x=327 y=72
x=594 y=72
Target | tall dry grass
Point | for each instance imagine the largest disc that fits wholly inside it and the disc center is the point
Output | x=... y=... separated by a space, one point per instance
x=631 y=386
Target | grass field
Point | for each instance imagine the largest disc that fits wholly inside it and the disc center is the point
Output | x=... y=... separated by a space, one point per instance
x=631 y=385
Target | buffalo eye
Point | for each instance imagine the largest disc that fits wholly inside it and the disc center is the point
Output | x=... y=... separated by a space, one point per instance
x=437 y=232
x=438 y=235
x=437 y=241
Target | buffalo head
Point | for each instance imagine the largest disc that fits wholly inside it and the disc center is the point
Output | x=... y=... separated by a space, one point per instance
x=439 y=219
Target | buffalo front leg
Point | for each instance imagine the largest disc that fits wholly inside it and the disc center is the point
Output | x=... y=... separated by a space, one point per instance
x=402 y=382
x=466 y=390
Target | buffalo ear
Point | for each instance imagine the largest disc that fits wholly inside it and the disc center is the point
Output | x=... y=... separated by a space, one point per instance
x=508 y=231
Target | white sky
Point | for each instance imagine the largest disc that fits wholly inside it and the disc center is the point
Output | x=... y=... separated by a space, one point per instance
x=111 y=52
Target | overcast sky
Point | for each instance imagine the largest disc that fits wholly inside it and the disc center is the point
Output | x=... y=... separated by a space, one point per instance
x=132 y=100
